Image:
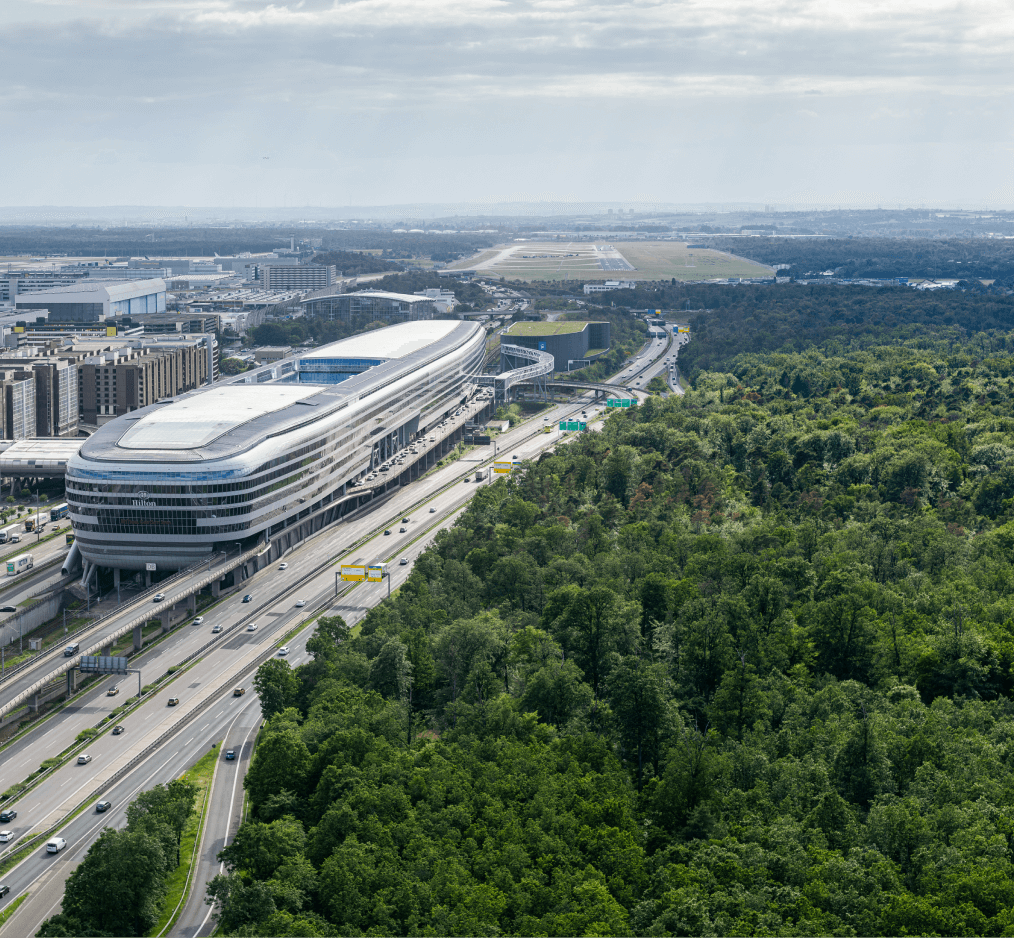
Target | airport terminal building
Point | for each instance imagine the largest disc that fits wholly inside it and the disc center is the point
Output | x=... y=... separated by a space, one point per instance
x=240 y=463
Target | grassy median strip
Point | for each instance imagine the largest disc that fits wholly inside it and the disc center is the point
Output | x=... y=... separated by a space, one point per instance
x=12 y=908
x=201 y=774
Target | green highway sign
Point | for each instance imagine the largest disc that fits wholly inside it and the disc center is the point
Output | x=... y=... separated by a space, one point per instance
x=566 y=425
x=620 y=402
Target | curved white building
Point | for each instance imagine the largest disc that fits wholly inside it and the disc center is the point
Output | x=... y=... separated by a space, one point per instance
x=171 y=483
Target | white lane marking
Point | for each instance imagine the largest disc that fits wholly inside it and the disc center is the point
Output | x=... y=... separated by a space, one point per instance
x=232 y=801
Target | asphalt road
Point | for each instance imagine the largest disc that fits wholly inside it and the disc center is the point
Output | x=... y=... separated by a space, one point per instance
x=209 y=709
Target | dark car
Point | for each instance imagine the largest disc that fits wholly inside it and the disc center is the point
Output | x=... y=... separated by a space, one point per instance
x=230 y=754
x=4 y=890
x=248 y=598
x=8 y=608
x=388 y=531
x=102 y=807
x=117 y=730
x=8 y=815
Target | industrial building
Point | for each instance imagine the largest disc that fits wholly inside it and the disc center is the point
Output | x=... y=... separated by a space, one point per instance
x=96 y=301
x=246 y=462
x=371 y=304
x=572 y=344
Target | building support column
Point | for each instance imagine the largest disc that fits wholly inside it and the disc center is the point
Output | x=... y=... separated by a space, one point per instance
x=216 y=588
x=138 y=639
x=164 y=616
x=71 y=682
x=107 y=650
x=192 y=603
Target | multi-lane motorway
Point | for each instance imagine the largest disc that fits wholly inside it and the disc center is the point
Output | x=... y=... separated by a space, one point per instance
x=142 y=756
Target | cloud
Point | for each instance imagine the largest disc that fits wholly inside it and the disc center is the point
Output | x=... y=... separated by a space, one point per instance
x=428 y=89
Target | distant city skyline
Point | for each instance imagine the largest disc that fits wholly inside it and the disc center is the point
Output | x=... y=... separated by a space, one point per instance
x=284 y=104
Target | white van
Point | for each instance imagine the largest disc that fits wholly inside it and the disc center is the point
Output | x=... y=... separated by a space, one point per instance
x=56 y=845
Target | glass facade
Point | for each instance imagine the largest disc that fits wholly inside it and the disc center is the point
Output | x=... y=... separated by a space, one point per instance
x=346 y=306
x=334 y=370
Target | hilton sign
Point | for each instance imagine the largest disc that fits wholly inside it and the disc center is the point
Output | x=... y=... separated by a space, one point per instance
x=142 y=501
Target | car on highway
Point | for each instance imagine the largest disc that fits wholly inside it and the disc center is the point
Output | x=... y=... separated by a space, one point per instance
x=403 y=562
x=216 y=630
x=402 y=530
x=300 y=603
x=8 y=815
x=248 y=598
x=8 y=608
x=117 y=730
x=283 y=566
x=433 y=511
x=6 y=836
x=198 y=621
x=388 y=531
x=56 y=845
x=252 y=627
x=284 y=650
x=102 y=807
x=405 y=520
x=84 y=759
x=173 y=701
x=230 y=754
x=158 y=597
x=112 y=692
x=238 y=691
x=4 y=890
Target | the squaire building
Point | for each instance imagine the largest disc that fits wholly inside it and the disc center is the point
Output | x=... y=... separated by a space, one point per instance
x=172 y=482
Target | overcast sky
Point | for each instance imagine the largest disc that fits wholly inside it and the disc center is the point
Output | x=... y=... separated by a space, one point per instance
x=366 y=102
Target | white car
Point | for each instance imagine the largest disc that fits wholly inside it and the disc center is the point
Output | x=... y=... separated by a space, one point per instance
x=216 y=630
x=158 y=597
x=84 y=759
x=6 y=836
x=300 y=603
x=284 y=650
x=283 y=566
x=56 y=845
x=252 y=627
x=198 y=621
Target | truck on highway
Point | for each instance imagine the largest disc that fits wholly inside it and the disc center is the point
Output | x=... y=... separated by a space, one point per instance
x=10 y=534
x=20 y=564
x=480 y=474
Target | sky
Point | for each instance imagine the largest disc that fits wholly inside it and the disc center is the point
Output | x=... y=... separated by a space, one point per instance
x=374 y=102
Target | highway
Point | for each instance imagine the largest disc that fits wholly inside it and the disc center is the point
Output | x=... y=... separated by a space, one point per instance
x=207 y=710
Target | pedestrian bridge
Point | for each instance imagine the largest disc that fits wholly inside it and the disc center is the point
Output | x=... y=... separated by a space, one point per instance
x=519 y=366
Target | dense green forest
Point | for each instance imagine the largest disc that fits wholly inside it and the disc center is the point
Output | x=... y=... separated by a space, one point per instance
x=990 y=258
x=738 y=664
x=354 y=263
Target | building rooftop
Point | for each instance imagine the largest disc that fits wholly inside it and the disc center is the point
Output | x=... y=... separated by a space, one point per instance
x=376 y=294
x=397 y=341
x=222 y=422
x=113 y=289
x=199 y=420
x=545 y=328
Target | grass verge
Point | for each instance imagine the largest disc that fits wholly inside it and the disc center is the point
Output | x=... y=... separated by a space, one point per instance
x=11 y=909
x=201 y=774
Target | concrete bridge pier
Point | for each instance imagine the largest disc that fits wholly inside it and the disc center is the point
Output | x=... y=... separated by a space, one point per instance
x=138 y=639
